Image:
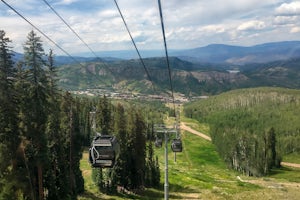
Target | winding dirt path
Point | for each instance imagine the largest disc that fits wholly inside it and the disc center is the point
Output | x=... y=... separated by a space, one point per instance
x=206 y=137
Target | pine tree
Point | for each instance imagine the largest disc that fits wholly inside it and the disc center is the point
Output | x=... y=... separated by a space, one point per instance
x=72 y=141
x=65 y=158
x=149 y=165
x=34 y=114
x=77 y=145
x=23 y=175
x=9 y=135
x=272 y=147
x=137 y=149
x=140 y=149
x=103 y=116
x=55 y=177
x=121 y=174
x=152 y=173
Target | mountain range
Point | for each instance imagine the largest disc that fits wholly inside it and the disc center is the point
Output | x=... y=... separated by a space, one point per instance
x=213 y=53
x=202 y=71
x=218 y=53
x=190 y=79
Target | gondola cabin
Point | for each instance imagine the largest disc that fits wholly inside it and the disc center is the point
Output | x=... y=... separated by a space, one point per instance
x=176 y=145
x=103 y=152
x=158 y=143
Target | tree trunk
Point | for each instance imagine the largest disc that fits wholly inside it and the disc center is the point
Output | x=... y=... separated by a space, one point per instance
x=40 y=181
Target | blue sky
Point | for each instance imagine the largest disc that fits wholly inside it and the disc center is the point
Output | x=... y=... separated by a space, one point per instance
x=188 y=23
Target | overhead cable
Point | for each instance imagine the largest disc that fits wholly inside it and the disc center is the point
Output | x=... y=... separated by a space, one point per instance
x=77 y=35
x=142 y=61
x=62 y=19
x=41 y=32
x=166 y=51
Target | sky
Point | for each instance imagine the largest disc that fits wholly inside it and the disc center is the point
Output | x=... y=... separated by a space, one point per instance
x=188 y=23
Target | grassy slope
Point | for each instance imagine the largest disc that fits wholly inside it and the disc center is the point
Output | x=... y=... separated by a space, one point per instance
x=199 y=173
x=293 y=158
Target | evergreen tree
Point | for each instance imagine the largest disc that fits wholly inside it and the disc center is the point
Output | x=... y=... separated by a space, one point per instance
x=103 y=116
x=66 y=127
x=22 y=88
x=56 y=140
x=137 y=149
x=156 y=174
x=140 y=149
x=34 y=113
x=77 y=147
x=72 y=143
x=272 y=146
x=150 y=165
x=121 y=174
x=270 y=155
x=9 y=135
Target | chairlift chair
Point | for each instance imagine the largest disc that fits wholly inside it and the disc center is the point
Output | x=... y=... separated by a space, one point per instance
x=176 y=145
x=103 y=151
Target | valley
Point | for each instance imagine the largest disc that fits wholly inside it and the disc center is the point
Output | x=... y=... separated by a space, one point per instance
x=190 y=79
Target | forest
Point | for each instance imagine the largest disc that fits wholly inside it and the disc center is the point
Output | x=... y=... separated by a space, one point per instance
x=44 y=131
x=252 y=128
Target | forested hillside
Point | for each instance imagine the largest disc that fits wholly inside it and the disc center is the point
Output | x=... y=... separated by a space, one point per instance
x=43 y=132
x=252 y=128
x=190 y=79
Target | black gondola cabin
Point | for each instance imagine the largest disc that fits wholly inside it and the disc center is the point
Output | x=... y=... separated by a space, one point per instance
x=176 y=145
x=103 y=152
x=158 y=143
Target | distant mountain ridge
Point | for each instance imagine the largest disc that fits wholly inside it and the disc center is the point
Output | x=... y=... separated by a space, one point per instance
x=213 y=53
x=239 y=55
x=220 y=53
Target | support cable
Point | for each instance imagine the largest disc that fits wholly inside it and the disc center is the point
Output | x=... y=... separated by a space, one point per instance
x=167 y=56
x=77 y=35
x=41 y=32
x=142 y=61
x=62 y=19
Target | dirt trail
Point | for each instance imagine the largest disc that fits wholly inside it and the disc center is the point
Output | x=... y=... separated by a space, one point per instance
x=189 y=129
x=270 y=183
x=295 y=165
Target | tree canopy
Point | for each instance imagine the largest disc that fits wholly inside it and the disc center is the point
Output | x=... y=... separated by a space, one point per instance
x=252 y=128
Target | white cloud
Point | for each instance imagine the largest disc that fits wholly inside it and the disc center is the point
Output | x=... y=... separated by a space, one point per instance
x=253 y=25
x=187 y=23
x=285 y=20
x=214 y=29
x=67 y=2
x=295 y=30
x=109 y=13
x=288 y=9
